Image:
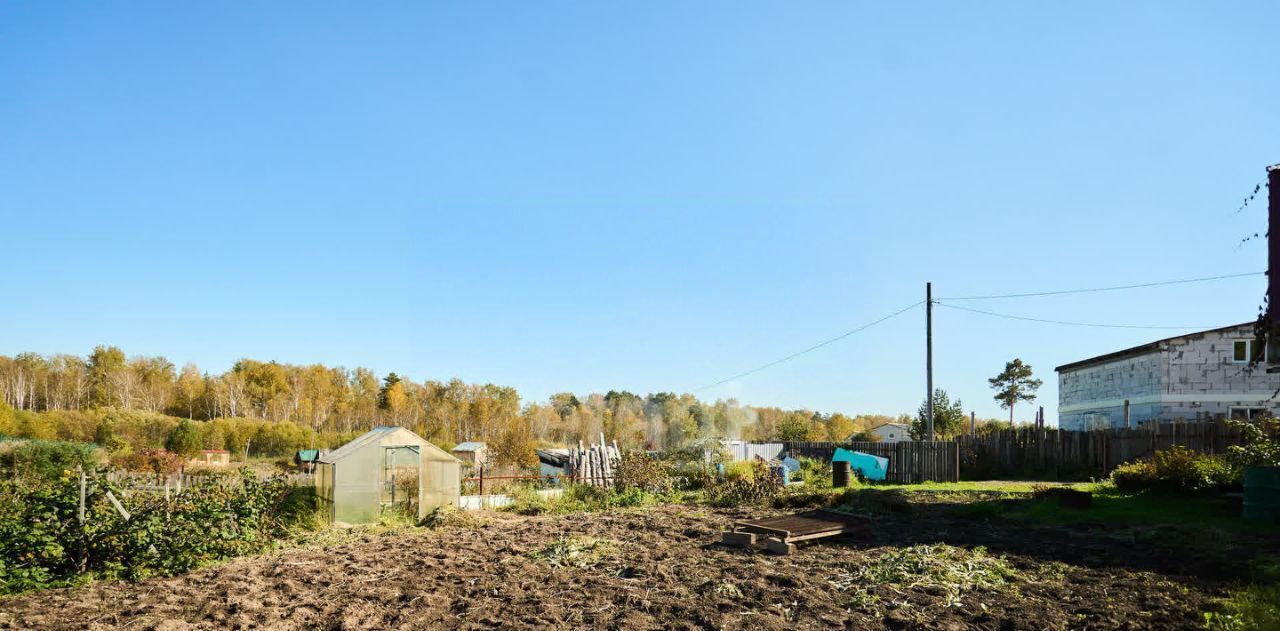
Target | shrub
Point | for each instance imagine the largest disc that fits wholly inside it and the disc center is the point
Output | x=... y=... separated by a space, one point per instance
x=42 y=543
x=639 y=471
x=1176 y=468
x=740 y=470
x=45 y=459
x=185 y=439
x=526 y=501
x=1261 y=446
x=1136 y=475
x=757 y=485
x=814 y=473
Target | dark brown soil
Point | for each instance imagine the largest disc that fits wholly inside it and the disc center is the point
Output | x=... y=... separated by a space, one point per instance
x=666 y=570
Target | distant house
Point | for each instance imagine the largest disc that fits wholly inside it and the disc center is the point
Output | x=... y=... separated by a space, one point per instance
x=307 y=458
x=1224 y=372
x=471 y=452
x=891 y=432
x=210 y=458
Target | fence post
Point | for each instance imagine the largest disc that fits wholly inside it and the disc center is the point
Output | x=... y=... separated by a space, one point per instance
x=481 y=478
x=84 y=544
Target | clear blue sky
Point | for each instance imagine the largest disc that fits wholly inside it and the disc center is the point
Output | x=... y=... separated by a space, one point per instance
x=654 y=196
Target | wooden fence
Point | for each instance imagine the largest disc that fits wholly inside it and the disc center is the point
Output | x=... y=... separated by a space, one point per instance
x=1025 y=451
x=909 y=461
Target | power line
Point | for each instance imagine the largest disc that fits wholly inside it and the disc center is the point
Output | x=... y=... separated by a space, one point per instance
x=812 y=348
x=1115 y=288
x=1067 y=323
x=1257 y=187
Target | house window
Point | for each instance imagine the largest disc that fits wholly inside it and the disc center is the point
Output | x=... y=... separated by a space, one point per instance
x=1245 y=351
x=1247 y=413
x=1096 y=420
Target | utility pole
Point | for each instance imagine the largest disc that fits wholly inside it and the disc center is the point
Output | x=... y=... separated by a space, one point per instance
x=928 y=358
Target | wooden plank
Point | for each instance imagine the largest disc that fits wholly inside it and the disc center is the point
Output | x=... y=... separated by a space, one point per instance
x=741 y=539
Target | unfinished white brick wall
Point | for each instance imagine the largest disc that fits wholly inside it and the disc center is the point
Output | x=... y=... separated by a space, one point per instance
x=1188 y=377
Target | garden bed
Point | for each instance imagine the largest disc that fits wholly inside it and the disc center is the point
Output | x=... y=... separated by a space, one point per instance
x=920 y=566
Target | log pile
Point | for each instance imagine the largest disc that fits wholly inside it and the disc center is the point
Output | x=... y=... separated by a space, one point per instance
x=594 y=465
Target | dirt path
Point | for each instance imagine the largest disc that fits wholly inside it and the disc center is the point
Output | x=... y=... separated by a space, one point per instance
x=662 y=568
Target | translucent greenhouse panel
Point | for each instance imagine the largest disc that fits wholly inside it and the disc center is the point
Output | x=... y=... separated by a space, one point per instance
x=440 y=485
x=357 y=486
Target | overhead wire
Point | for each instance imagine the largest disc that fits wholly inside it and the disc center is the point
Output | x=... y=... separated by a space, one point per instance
x=1067 y=322
x=943 y=303
x=1112 y=288
x=812 y=348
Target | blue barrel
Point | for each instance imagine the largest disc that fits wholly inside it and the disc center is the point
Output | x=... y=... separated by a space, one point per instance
x=1262 y=494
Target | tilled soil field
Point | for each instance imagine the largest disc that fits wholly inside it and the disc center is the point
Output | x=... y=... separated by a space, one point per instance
x=663 y=568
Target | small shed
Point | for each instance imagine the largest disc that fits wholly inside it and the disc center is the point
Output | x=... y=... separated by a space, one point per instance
x=473 y=452
x=211 y=458
x=552 y=462
x=307 y=459
x=387 y=467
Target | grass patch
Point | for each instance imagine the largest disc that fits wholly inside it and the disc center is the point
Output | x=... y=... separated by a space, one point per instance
x=581 y=498
x=576 y=551
x=945 y=570
x=1005 y=486
x=1253 y=607
x=979 y=510
x=1142 y=508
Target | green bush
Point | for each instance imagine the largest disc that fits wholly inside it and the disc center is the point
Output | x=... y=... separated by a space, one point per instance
x=1261 y=444
x=753 y=483
x=639 y=471
x=43 y=544
x=1178 y=469
x=1136 y=475
x=46 y=459
x=740 y=470
x=814 y=473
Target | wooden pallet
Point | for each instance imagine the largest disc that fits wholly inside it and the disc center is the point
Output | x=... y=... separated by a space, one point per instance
x=780 y=534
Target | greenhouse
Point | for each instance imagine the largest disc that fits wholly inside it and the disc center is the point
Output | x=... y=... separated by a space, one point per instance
x=388 y=468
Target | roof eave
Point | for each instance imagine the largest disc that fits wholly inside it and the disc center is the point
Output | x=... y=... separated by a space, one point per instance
x=1141 y=349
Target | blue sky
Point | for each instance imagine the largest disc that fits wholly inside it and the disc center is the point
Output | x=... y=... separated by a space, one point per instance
x=650 y=196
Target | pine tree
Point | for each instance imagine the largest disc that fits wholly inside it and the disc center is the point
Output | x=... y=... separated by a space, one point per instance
x=1014 y=384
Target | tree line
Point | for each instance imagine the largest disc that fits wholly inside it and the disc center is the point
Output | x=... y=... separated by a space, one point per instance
x=313 y=405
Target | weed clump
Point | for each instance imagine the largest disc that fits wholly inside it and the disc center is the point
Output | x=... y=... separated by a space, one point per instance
x=945 y=570
x=576 y=551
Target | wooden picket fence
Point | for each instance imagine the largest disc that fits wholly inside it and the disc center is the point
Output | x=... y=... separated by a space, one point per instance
x=1067 y=454
x=909 y=461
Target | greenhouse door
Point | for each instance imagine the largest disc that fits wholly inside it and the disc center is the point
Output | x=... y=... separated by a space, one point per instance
x=400 y=478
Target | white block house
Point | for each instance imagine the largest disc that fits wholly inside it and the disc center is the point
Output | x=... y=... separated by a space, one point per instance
x=1199 y=376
